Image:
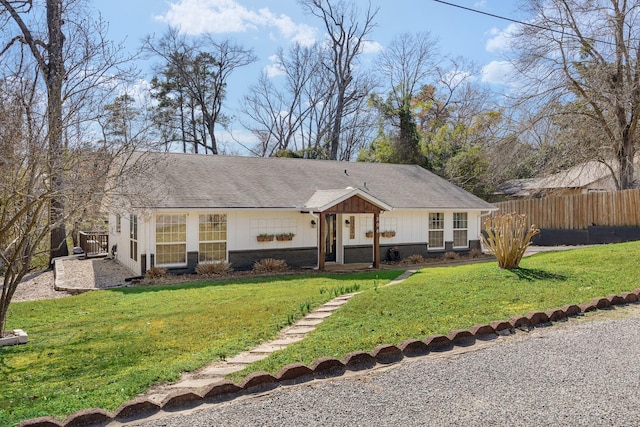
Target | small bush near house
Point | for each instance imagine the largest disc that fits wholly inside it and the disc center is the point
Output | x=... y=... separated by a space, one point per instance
x=475 y=253
x=213 y=268
x=156 y=273
x=450 y=255
x=270 y=265
x=413 y=259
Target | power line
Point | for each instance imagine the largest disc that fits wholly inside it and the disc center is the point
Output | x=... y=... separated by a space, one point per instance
x=515 y=21
x=504 y=18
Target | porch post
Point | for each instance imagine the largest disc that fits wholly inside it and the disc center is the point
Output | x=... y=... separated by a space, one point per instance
x=376 y=240
x=321 y=242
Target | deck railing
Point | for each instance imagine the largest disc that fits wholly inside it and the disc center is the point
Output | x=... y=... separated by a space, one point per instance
x=94 y=243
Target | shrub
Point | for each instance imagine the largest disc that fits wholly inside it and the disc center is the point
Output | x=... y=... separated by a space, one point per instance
x=450 y=255
x=270 y=265
x=475 y=253
x=211 y=268
x=156 y=273
x=508 y=237
x=413 y=259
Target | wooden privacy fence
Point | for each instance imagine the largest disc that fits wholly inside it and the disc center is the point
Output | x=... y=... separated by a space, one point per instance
x=579 y=211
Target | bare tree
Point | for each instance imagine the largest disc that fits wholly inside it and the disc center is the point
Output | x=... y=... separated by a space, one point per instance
x=278 y=113
x=346 y=32
x=195 y=76
x=71 y=66
x=584 y=55
x=52 y=86
x=48 y=54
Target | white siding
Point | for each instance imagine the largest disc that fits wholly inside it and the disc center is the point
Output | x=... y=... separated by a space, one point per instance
x=411 y=226
x=122 y=240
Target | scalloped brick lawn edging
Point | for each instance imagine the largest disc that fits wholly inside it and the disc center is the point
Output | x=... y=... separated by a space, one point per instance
x=326 y=367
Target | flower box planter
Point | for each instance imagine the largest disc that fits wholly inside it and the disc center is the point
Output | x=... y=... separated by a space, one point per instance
x=264 y=237
x=369 y=234
x=283 y=237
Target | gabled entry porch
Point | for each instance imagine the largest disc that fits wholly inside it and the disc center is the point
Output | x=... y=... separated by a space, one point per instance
x=333 y=207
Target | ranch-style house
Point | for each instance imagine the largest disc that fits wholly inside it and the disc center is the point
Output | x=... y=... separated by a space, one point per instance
x=199 y=209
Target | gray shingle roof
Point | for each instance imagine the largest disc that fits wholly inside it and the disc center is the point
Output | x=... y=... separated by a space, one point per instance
x=201 y=181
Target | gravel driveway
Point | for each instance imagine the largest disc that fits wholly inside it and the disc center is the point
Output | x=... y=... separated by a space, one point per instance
x=580 y=372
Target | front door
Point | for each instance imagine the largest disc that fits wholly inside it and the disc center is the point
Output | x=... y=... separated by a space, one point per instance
x=330 y=238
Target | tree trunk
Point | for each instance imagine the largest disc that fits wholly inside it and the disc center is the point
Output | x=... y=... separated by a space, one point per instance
x=336 y=130
x=625 y=155
x=54 y=78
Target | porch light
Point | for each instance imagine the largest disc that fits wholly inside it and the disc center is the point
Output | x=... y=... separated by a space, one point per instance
x=346 y=222
x=313 y=223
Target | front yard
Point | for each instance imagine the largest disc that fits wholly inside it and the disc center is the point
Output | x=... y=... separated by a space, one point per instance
x=101 y=349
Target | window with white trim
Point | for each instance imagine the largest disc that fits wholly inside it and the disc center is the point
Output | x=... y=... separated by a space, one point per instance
x=460 y=227
x=133 y=237
x=436 y=230
x=171 y=239
x=212 y=231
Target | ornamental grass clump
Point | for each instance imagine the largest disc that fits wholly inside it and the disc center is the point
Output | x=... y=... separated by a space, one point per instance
x=413 y=259
x=508 y=237
x=213 y=268
x=156 y=273
x=270 y=265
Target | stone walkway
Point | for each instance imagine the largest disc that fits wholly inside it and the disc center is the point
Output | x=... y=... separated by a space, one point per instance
x=215 y=373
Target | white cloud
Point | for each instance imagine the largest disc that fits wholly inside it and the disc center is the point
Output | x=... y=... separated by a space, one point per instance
x=497 y=72
x=195 y=17
x=499 y=40
x=371 y=47
x=139 y=91
x=275 y=69
x=455 y=77
x=480 y=4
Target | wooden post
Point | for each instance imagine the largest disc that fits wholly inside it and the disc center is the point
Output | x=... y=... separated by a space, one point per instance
x=376 y=240
x=321 y=242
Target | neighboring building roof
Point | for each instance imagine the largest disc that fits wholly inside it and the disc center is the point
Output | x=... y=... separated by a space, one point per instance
x=175 y=180
x=592 y=175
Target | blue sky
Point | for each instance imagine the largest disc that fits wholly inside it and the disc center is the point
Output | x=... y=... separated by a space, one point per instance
x=267 y=25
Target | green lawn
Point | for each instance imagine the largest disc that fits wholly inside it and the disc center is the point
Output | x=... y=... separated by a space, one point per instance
x=438 y=300
x=101 y=349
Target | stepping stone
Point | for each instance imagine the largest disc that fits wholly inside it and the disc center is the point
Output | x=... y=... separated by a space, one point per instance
x=335 y=303
x=266 y=348
x=194 y=383
x=308 y=322
x=248 y=358
x=317 y=315
x=325 y=309
x=157 y=398
x=299 y=330
x=221 y=371
x=286 y=340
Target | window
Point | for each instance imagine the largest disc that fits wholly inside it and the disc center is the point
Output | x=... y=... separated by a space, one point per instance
x=118 y=223
x=213 y=237
x=171 y=239
x=460 y=226
x=133 y=237
x=436 y=230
